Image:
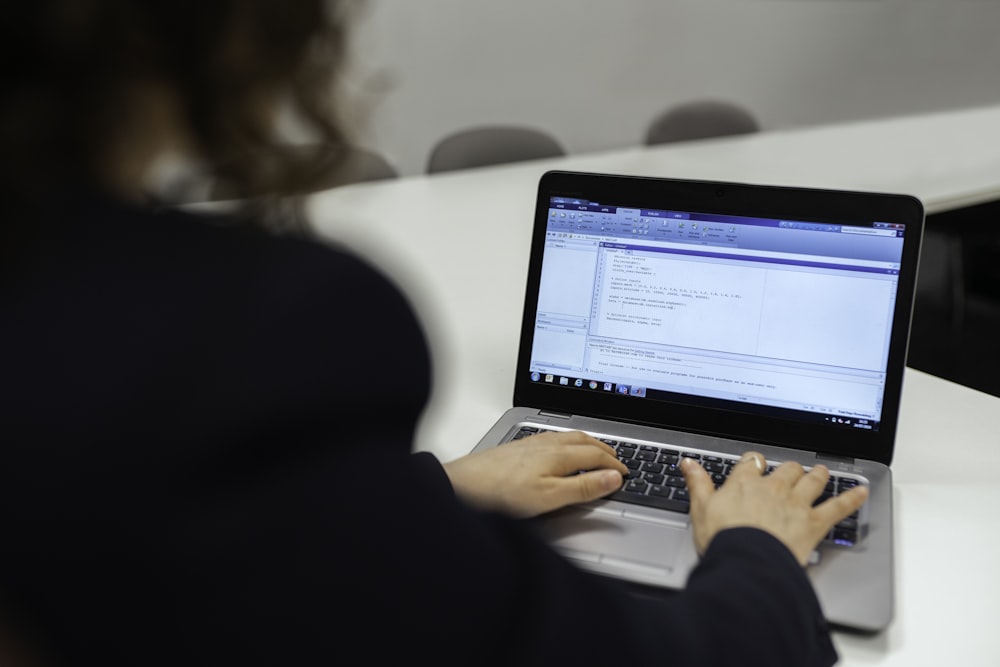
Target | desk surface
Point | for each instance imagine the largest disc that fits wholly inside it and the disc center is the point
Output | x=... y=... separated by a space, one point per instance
x=457 y=243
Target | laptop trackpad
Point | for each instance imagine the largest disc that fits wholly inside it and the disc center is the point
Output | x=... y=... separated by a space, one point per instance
x=608 y=538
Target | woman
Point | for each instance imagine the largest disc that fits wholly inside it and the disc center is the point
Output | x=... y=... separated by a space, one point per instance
x=198 y=467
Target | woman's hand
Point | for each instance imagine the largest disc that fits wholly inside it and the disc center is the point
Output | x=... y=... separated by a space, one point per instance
x=537 y=474
x=780 y=503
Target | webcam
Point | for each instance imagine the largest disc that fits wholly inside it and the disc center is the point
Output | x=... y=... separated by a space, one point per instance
x=720 y=192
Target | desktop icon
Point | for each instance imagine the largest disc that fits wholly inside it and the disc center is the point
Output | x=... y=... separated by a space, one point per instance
x=549 y=378
x=535 y=377
x=593 y=384
x=638 y=391
x=623 y=389
x=607 y=386
x=578 y=382
x=563 y=380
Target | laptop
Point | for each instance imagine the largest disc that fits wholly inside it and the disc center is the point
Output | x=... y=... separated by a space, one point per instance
x=675 y=318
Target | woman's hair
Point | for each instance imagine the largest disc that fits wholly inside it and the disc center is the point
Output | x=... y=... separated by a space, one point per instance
x=68 y=66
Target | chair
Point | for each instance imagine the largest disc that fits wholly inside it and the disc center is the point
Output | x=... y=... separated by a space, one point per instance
x=489 y=145
x=700 y=119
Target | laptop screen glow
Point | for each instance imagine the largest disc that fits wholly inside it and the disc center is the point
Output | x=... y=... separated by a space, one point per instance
x=663 y=305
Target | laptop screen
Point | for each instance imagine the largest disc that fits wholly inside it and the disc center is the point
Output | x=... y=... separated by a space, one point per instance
x=768 y=315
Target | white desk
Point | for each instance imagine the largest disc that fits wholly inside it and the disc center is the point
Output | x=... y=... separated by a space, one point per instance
x=457 y=243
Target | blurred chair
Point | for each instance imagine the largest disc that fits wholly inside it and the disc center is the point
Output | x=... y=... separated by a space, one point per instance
x=700 y=119
x=489 y=145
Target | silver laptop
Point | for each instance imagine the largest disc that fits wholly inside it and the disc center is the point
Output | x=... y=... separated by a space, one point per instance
x=676 y=318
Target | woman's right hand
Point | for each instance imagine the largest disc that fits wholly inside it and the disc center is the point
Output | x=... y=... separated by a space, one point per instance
x=780 y=503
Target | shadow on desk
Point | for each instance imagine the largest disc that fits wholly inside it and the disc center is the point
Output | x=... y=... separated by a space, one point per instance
x=956 y=317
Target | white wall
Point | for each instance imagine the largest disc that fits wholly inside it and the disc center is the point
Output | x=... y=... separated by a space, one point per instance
x=594 y=72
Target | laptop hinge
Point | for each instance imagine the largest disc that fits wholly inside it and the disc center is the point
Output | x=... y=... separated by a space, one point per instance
x=557 y=415
x=837 y=461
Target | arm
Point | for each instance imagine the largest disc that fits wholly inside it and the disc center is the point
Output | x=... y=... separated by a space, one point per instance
x=749 y=601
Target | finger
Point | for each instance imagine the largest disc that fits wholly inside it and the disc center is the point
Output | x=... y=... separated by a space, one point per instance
x=699 y=484
x=838 y=508
x=811 y=485
x=581 y=438
x=571 y=459
x=585 y=486
x=788 y=473
x=752 y=464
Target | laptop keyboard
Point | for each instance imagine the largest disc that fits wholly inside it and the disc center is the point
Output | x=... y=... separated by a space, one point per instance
x=655 y=479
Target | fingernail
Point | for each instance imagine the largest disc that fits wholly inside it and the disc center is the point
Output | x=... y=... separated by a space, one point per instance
x=612 y=480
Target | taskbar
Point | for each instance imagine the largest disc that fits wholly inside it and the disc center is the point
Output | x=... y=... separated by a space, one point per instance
x=639 y=391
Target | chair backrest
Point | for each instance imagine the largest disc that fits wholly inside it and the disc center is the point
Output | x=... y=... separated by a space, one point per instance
x=700 y=120
x=491 y=144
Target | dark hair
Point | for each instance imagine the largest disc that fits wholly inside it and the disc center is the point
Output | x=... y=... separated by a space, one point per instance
x=68 y=63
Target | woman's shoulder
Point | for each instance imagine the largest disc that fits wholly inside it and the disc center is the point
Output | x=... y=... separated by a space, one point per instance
x=205 y=253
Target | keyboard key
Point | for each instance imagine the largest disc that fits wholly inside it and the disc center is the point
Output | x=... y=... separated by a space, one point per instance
x=662 y=491
x=713 y=466
x=673 y=469
x=848 y=524
x=847 y=538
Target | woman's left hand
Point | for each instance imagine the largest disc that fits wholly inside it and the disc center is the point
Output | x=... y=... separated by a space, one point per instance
x=537 y=474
